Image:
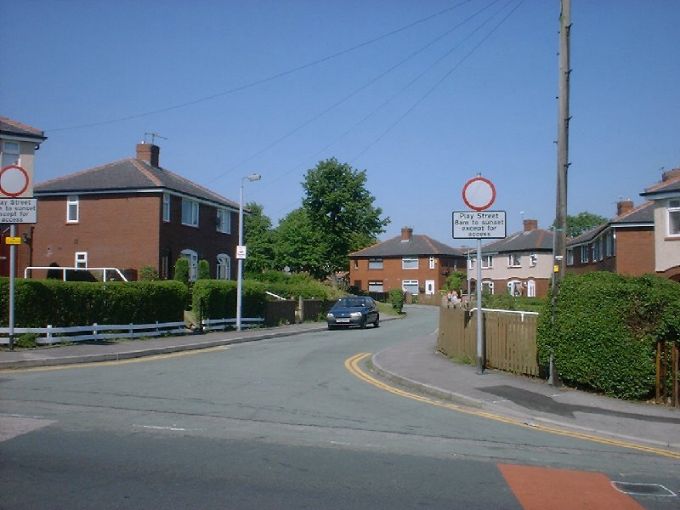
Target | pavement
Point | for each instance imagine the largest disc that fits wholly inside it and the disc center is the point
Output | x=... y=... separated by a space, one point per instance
x=417 y=367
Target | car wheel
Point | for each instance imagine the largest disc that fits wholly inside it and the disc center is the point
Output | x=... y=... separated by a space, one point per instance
x=331 y=328
x=376 y=324
x=362 y=324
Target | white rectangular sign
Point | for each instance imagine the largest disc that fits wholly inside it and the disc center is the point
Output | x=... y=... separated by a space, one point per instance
x=241 y=252
x=19 y=210
x=479 y=225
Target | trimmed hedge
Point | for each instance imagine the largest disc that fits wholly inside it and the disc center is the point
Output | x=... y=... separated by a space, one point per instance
x=295 y=285
x=216 y=299
x=507 y=302
x=606 y=328
x=61 y=304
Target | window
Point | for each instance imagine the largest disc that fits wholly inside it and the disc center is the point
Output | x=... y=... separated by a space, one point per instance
x=514 y=260
x=487 y=261
x=410 y=286
x=596 y=251
x=673 y=218
x=570 y=256
x=224 y=221
x=165 y=267
x=81 y=259
x=432 y=262
x=533 y=260
x=192 y=257
x=531 y=288
x=356 y=263
x=584 y=254
x=515 y=288
x=375 y=263
x=487 y=286
x=471 y=263
x=189 y=212
x=223 y=267
x=166 y=207
x=609 y=244
x=10 y=153
x=375 y=286
x=409 y=263
x=72 y=209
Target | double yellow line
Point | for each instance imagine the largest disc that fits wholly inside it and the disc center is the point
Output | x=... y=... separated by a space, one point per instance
x=352 y=364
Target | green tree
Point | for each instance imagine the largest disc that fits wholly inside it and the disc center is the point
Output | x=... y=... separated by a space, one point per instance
x=259 y=238
x=341 y=211
x=455 y=281
x=299 y=245
x=582 y=222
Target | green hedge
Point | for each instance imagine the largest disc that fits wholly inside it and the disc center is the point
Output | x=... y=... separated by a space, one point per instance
x=42 y=302
x=507 y=302
x=295 y=285
x=606 y=328
x=216 y=299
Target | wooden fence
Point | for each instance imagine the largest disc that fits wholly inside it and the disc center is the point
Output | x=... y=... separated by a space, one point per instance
x=510 y=338
x=668 y=373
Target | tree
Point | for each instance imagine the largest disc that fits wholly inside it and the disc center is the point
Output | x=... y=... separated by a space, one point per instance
x=341 y=211
x=259 y=238
x=299 y=245
x=582 y=222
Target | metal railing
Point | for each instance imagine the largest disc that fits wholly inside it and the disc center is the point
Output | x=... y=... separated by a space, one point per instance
x=28 y=271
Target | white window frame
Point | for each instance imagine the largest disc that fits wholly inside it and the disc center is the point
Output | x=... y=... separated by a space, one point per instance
x=432 y=262
x=376 y=286
x=166 y=207
x=376 y=263
x=471 y=263
x=192 y=257
x=487 y=261
x=72 y=200
x=489 y=285
x=223 y=220
x=80 y=259
x=584 y=254
x=570 y=256
x=514 y=260
x=533 y=260
x=512 y=285
x=673 y=212
x=190 y=209
x=405 y=261
x=407 y=284
x=223 y=267
x=14 y=155
x=531 y=288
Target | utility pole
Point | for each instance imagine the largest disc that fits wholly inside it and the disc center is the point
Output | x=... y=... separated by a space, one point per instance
x=560 y=240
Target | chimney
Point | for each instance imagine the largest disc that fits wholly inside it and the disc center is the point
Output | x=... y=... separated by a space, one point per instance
x=670 y=175
x=406 y=233
x=624 y=206
x=530 y=225
x=148 y=152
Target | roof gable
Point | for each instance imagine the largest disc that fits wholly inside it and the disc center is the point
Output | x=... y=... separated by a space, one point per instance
x=16 y=128
x=531 y=240
x=416 y=245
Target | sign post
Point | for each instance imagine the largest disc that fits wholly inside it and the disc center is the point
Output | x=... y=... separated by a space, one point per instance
x=479 y=194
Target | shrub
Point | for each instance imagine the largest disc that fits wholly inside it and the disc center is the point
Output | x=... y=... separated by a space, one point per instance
x=507 y=302
x=216 y=299
x=606 y=328
x=203 y=272
x=182 y=270
x=149 y=274
x=397 y=300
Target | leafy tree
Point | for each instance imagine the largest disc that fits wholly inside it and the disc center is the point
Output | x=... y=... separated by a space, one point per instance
x=582 y=222
x=341 y=211
x=299 y=245
x=455 y=281
x=259 y=237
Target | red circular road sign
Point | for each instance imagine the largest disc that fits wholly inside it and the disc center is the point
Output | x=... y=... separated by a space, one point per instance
x=479 y=193
x=14 y=181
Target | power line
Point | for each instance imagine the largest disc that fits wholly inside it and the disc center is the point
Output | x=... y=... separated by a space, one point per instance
x=263 y=80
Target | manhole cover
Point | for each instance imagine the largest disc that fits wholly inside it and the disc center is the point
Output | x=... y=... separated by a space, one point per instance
x=646 y=489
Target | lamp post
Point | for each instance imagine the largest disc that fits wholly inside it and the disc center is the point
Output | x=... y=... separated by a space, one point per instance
x=240 y=250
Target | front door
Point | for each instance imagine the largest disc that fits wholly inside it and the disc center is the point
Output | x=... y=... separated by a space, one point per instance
x=429 y=287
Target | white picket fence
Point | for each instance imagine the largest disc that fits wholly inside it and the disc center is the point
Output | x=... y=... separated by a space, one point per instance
x=99 y=332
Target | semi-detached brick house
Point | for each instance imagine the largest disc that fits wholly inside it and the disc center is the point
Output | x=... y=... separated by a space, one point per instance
x=623 y=245
x=130 y=214
x=413 y=263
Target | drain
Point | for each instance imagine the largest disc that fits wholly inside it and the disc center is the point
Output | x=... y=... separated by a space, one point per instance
x=643 y=489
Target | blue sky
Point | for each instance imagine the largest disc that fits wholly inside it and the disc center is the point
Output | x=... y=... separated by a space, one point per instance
x=471 y=89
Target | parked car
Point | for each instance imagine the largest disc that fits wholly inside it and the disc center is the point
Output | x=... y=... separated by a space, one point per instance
x=353 y=311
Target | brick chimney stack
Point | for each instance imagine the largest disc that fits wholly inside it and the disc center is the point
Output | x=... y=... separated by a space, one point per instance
x=148 y=152
x=624 y=206
x=530 y=225
x=406 y=233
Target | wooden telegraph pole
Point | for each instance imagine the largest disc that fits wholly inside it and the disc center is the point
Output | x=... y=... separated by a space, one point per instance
x=560 y=243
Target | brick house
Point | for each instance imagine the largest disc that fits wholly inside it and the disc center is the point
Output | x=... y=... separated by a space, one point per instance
x=18 y=144
x=665 y=197
x=623 y=245
x=413 y=263
x=520 y=264
x=130 y=214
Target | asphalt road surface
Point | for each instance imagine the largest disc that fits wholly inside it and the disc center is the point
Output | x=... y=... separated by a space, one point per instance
x=284 y=424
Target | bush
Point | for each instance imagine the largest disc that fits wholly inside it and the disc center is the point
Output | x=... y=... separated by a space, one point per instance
x=203 y=272
x=149 y=274
x=42 y=302
x=182 y=270
x=397 y=299
x=507 y=302
x=606 y=328
x=216 y=299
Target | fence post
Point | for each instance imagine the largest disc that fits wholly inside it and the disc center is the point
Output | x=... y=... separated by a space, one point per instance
x=132 y=335
x=94 y=331
x=49 y=334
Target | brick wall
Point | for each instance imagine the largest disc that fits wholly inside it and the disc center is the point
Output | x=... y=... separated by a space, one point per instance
x=634 y=251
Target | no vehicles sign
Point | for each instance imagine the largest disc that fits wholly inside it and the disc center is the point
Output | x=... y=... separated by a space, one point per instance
x=479 y=225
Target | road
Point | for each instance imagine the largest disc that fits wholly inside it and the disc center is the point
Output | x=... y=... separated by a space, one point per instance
x=283 y=424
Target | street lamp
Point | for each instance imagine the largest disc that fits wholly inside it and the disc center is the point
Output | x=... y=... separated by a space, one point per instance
x=240 y=250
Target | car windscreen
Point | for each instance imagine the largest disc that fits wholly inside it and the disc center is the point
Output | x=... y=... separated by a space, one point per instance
x=352 y=302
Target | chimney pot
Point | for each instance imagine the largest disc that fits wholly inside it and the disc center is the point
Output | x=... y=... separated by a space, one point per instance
x=530 y=225
x=148 y=152
x=624 y=206
x=406 y=233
